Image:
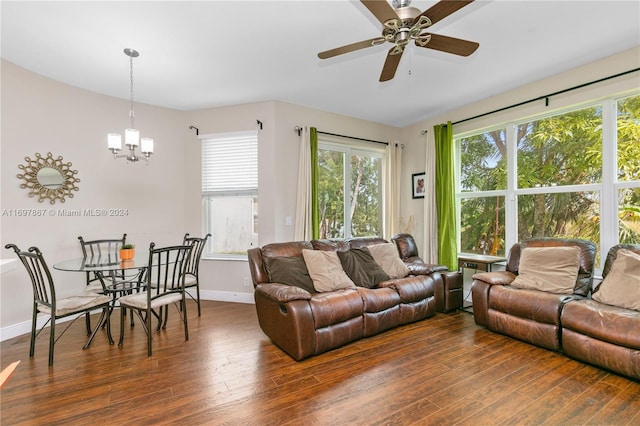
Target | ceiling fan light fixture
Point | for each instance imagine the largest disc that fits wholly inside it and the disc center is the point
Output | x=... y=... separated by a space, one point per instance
x=407 y=14
x=402 y=37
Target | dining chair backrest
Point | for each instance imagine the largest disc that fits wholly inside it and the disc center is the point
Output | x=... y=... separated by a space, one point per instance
x=44 y=291
x=166 y=270
x=103 y=248
x=198 y=245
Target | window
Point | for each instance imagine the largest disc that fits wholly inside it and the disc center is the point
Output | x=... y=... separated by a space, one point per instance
x=560 y=175
x=230 y=193
x=628 y=169
x=350 y=184
x=483 y=181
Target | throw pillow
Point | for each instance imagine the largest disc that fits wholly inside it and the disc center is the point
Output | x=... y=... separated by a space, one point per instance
x=386 y=255
x=326 y=270
x=289 y=271
x=550 y=269
x=621 y=286
x=361 y=268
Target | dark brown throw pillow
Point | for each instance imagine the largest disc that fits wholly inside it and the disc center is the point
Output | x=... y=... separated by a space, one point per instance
x=361 y=268
x=290 y=271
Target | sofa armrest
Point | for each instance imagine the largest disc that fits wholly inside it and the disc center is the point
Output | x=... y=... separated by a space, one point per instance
x=480 y=289
x=282 y=293
x=418 y=267
x=495 y=278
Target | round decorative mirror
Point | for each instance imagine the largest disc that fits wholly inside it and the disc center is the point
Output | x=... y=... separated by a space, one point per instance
x=48 y=178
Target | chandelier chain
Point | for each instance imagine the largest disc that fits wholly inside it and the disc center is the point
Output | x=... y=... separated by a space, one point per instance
x=131 y=113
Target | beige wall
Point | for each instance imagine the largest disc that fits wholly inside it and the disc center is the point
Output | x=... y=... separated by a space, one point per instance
x=163 y=199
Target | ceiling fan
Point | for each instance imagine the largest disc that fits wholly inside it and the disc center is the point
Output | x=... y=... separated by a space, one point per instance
x=404 y=23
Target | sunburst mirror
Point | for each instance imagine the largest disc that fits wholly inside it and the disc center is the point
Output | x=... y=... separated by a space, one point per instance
x=48 y=178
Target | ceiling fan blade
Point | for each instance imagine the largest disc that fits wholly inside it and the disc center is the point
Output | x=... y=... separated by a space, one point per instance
x=390 y=65
x=457 y=46
x=442 y=9
x=348 y=48
x=380 y=9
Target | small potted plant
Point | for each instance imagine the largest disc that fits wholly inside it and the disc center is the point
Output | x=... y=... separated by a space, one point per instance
x=127 y=252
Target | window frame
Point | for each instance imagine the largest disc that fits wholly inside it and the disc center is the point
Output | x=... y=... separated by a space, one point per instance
x=351 y=147
x=239 y=192
x=608 y=187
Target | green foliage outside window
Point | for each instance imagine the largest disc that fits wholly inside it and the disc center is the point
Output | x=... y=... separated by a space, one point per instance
x=364 y=207
x=552 y=152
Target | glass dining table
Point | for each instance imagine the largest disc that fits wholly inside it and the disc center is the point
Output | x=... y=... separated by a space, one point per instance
x=117 y=276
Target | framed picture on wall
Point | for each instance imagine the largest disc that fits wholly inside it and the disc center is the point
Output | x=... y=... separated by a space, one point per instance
x=417 y=181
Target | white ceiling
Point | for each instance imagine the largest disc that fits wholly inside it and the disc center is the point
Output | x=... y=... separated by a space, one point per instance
x=201 y=54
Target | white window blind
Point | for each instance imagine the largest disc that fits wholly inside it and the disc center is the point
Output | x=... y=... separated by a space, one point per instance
x=230 y=163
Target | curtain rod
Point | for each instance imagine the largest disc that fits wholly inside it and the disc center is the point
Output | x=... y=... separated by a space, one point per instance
x=546 y=97
x=351 y=137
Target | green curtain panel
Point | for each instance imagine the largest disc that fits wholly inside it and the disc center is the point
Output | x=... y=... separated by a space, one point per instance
x=446 y=196
x=315 y=212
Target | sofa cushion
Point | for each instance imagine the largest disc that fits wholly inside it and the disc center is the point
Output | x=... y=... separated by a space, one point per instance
x=587 y=258
x=550 y=269
x=533 y=305
x=379 y=299
x=603 y=322
x=621 y=286
x=326 y=270
x=361 y=268
x=336 y=307
x=289 y=270
x=386 y=255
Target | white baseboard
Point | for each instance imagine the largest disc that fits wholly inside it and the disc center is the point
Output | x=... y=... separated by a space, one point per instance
x=226 y=296
x=15 y=330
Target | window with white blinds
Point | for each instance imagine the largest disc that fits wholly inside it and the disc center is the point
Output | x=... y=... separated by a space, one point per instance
x=230 y=163
x=230 y=193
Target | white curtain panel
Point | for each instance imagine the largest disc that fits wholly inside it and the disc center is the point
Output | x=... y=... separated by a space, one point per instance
x=302 y=229
x=393 y=186
x=430 y=249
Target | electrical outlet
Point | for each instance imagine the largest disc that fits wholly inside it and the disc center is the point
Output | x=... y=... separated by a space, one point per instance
x=246 y=282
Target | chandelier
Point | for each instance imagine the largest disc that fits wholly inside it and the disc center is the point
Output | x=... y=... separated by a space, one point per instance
x=131 y=135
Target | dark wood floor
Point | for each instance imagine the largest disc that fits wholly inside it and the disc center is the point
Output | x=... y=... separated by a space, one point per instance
x=442 y=371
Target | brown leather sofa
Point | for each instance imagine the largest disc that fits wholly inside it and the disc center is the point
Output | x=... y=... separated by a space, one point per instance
x=582 y=328
x=603 y=335
x=305 y=323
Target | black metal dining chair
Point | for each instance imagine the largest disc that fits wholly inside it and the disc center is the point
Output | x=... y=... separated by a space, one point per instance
x=192 y=274
x=46 y=302
x=101 y=251
x=164 y=285
x=105 y=251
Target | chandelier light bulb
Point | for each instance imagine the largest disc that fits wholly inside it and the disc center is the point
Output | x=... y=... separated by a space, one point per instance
x=146 y=145
x=114 y=141
x=131 y=137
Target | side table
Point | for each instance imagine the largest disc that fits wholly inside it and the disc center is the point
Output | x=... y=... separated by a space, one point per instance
x=477 y=262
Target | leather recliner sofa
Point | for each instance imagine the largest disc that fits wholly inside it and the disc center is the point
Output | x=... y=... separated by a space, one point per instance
x=305 y=323
x=580 y=327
